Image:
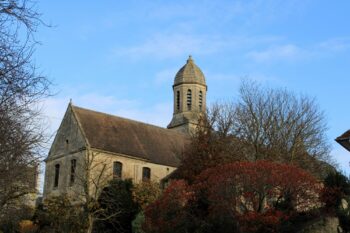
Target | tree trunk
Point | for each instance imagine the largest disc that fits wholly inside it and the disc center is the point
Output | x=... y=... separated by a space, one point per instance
x=90 y=223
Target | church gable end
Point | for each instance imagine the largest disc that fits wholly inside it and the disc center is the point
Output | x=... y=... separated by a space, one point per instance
x=69 y=138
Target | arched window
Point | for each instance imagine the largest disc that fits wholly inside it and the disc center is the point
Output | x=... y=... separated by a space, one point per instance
x=57 y=175
x=178 y=100
x=117 y=170
x=73 y=165
x=146 y=174
x=200 y=100
x=189 y=99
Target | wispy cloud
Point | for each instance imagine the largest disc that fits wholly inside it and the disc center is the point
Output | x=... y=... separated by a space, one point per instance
x=335 y=44
x=246 y=13
x=293 y=52
x=171 y=45
x=163 y=46
x=276 y=53
x=165 y=77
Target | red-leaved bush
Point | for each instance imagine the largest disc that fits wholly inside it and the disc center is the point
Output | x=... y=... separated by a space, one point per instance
x=259 y=186
x=258 y=194
x=268 y=221
x=250 y=196
x=168 y=214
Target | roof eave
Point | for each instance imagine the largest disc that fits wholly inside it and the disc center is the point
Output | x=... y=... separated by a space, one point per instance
x=344 y=142
x=199 y=83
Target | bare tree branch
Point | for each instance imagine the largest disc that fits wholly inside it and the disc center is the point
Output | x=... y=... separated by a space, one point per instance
x=22 y=135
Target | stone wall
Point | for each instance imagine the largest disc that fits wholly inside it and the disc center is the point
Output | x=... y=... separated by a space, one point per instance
x=132 y=167
x=323 y=225
x=101 y=165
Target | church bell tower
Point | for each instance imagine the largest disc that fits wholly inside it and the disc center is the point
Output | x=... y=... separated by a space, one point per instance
x=190 y=92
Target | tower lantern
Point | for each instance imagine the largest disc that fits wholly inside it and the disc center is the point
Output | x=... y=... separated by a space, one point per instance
x=190 y=92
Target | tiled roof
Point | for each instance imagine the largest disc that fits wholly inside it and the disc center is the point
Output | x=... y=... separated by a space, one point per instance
x=344 y=140
x=132 y=138
x=344 y=136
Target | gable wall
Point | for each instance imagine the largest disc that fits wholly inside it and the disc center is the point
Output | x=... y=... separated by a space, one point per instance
x=69 y=137
x=69 y=143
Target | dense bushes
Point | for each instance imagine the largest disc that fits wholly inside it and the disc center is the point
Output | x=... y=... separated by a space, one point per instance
x=119 y=208
x=240 y=196
x=11 y=217
x=336 y=197
x=168 y=214
x=59 y=214
x=116 y=210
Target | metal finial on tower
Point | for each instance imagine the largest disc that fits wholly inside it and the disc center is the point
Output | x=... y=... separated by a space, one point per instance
x=190 y=58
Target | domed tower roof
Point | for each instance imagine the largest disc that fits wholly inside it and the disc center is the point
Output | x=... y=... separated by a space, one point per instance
x=190 y=73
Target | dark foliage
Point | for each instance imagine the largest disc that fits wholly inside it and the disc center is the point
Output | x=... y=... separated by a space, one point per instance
x=336 y=190
x=336 y=187
x=338 y=180
x=9 y=222
x=119 y=208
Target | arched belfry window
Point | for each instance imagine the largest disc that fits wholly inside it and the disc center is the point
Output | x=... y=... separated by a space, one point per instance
x=57 y=175
x=200 y=100
x=189 y=99
x=178 y=100
x=117 y=169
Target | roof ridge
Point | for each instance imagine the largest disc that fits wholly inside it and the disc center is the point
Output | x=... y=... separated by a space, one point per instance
x=127 y=119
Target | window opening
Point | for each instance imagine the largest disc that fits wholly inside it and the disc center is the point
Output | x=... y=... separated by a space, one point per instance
x=117 y=170
x=178 y=100
x=189 y=99
x=73 y=165
x=57 y=175
x=146 y=174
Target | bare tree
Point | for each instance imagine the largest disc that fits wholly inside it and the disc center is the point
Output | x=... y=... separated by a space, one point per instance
x=92 y=178
x=279 y=125
x=21 y=87
x=264 y=123
x=212 y=144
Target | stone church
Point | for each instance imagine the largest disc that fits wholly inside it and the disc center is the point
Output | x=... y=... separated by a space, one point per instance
x=121 y=147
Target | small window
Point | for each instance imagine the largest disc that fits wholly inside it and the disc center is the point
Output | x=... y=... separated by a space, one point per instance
x=73 y=165
x=189 y=99
x=57 y=175
x=200 y=100
x=178 y=100
x=117 y=170
x=146 y=174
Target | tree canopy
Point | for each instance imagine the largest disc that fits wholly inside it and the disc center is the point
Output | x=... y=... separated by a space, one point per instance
x=22 y=135
x=263 y=124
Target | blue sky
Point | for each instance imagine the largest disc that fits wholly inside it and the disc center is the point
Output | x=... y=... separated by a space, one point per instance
x=121 y=57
